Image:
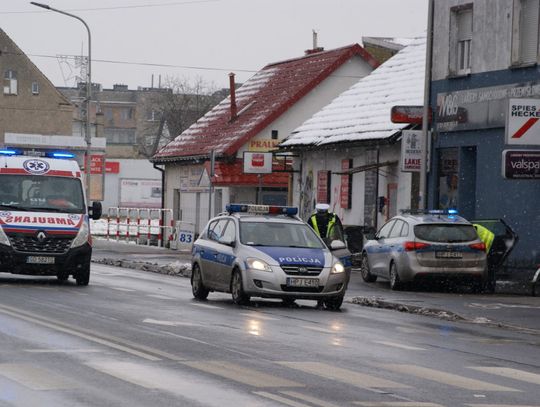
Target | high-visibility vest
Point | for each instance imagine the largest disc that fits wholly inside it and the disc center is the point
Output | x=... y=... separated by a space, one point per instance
x=485 y=236
x=329 y=227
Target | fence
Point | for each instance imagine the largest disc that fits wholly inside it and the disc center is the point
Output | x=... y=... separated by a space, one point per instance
x=142 y=225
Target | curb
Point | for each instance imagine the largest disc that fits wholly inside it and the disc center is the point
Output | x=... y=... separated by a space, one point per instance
x=179 y=270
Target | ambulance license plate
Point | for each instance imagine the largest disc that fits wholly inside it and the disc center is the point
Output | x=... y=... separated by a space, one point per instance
x=40 y=260
x=302 y=282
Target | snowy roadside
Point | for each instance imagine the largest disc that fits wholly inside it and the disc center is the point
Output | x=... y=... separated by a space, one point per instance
x=177 y=268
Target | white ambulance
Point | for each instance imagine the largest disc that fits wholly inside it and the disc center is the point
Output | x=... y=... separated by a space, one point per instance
x=44 y=218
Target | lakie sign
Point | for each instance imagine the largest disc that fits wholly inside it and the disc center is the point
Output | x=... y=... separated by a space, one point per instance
x=521 y=164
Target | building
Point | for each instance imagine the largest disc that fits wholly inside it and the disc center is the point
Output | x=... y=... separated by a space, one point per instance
x=485 y=93
x=255 y=118
x=348 y=154
x=383 y=48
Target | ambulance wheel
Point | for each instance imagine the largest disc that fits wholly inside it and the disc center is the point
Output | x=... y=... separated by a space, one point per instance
x=62 y=277
x=83 y=275
x=366 y=272
x=333 y=303
x=200 y=292
x=239 y=296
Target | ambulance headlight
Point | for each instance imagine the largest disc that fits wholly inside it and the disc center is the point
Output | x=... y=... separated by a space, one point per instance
x=82 y=236
x=337 y=268
x=257 y=264
x=3 y=238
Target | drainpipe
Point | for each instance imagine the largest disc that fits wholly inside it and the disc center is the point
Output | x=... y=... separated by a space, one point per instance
x=161 y=216
x=234 y=111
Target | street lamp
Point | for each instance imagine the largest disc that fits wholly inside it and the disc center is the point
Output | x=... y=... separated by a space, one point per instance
x=87 y=135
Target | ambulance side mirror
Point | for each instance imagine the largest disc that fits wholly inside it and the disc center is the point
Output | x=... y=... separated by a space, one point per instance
x=95 y=210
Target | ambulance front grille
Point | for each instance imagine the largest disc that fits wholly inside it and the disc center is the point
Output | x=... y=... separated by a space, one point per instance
x=31 y=244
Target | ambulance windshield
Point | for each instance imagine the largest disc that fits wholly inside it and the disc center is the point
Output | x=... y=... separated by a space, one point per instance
x=40 y=193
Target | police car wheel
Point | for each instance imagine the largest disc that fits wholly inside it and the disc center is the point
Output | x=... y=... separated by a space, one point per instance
x=198 y=289
x=83 y=275
x=333 y=303
x=364 y=269
x=237 y=289
x=395 y=282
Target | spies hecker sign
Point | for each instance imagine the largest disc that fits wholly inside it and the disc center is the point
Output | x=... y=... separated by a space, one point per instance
x=523 y=122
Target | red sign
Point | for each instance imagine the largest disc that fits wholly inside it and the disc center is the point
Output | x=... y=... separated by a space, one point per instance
x=96 y=164
x=112 y=167
x=257 y=160
x=346 y=185
x=323 y=186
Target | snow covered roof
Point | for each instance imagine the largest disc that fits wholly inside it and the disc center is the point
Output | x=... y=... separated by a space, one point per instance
x=260 y=101
x=387 y=42
x=363 y=111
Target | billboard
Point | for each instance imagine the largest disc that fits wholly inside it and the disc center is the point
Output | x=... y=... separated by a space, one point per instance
x=521 y=164
x=140 y=193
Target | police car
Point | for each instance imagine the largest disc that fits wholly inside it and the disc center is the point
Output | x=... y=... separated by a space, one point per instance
x=433 y=244
x=267 y=251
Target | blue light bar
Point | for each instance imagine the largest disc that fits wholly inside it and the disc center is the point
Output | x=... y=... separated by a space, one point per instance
x=452 y=211
x=62 y=155
x=8 y=152
x=262 y=209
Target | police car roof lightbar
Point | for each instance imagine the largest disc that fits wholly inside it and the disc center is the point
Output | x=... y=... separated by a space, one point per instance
x=262 y=209
x=429 y=211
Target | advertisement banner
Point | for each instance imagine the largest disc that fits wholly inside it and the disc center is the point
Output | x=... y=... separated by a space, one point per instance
x=323 y=186
x=522 y=126
x=140 y=193
x=257 y=163
x=521 y=164
x=411 y=151
x=346 y=184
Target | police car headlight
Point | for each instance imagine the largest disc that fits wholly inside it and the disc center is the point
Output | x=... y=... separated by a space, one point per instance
x=82 y=236
x=337 y=268
x=257 y=264
x=3 y=238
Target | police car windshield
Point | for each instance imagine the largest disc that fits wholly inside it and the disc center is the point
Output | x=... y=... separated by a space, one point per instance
x=41 y=193
x=278 y=234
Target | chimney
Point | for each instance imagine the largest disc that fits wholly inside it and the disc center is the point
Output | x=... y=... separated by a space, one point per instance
x=315 y=48
x=233 y=96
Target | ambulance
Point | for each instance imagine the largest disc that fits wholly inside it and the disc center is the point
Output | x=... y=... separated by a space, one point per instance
x=44 y=218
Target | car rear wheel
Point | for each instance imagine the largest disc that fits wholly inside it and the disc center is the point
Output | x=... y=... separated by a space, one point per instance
x=200 y=292
x=237 y=289
x=333 y=303
x=364 y=269
x=395 y=282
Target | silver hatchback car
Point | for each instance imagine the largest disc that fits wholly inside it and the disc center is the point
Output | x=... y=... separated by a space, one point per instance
x=267 y=251
x=433 y=244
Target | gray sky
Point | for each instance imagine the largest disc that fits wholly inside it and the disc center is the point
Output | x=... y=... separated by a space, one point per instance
x=220 y=35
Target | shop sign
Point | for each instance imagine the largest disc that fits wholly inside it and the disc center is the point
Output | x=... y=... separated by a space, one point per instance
x=521 y=164
x=257 y=163
x=323 y=186
x=411 y=151
x=262 y=144
x=346 y=184
x=523 y=125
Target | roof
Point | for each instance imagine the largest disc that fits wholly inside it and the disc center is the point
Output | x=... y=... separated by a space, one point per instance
x=362 y=112
x=396 y=44
x=233 y=174
x=260 y=101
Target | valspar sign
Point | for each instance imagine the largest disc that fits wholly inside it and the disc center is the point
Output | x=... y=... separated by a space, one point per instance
x=523 y=122
x=521 y=164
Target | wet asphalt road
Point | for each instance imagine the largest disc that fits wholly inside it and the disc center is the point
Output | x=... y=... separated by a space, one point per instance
x=139 y=339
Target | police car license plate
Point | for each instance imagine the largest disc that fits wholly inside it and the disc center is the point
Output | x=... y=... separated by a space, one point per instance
x=449 y=255
x=302 y=282
x=39 y=260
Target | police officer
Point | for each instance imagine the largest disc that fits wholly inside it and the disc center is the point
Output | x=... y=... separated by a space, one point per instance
x=487 y=236
x=324 y=222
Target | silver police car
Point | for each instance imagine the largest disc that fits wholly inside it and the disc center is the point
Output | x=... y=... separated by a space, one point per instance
x=425 y=245
x=267 y=251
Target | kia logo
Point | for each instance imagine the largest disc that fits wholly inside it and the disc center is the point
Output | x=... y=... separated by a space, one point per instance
x=302 y=269
x=41 y=237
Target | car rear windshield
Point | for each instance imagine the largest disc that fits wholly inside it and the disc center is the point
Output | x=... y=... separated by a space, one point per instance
x=278 y=234
x=445 y=233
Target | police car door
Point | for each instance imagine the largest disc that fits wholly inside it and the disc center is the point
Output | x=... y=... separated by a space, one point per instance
x=210 y=253
x=226 y=256
x=380 y=252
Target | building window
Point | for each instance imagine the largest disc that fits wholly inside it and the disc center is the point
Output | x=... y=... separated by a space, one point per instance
x=525 y=32
x=10 y=82
x=35 y=88
x=461 y=39
x=274 y=134
x=126 y=113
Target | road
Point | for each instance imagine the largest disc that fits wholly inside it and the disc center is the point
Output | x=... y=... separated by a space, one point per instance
x=139 y=339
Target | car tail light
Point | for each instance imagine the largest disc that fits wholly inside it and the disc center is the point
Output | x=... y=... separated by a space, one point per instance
x=478 y=246
x=411 y=246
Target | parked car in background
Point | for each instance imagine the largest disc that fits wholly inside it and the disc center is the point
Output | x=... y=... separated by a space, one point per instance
x=267 y=251
x=425 y=245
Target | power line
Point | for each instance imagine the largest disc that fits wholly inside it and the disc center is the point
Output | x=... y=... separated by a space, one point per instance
x=178 y=3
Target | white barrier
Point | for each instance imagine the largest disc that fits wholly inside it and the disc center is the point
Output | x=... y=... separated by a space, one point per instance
x=184 y=235
x=136 y=224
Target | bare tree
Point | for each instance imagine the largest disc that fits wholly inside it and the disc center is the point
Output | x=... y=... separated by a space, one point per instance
x=172 y=109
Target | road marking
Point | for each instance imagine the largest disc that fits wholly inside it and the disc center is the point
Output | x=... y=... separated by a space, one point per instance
x=63 y=350
x=169 y=323
x=160 y=297
x=510 y=373
x=446 y=378
x=309 y=399
x=127 y=290
x=357 y=379
x=196 y=304
x=280 y=399
x=396 y=404
x=241 y=374
x=399 y=345
x=141 y=351
x=34 y=378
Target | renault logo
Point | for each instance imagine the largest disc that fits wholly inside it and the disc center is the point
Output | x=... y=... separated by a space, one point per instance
x=41 y=237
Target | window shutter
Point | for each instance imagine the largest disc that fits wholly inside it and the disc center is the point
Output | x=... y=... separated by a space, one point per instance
x=464 y=24
x=528 y=44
